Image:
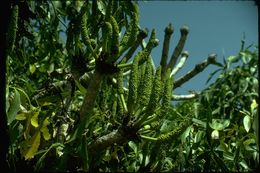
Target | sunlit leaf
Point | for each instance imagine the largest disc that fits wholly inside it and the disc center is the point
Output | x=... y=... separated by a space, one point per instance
x=222 y=146
x=243 y=164
x=219 y=124
x=102 y=7
x=32 y=68
x=51 y=68
x=14 y=107
x=185 y=134
x=21 y=116
x=45 y=130
x=228 y=156
x=253 y=105
x=197 y=121
x=199 y=135
x=249 y=141
x=233 y=59
x=215 y=134
x=34 y=145
x=247 y=123
x=34 y=119
x=133 y=146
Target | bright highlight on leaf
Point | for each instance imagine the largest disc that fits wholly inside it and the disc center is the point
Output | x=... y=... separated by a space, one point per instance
x=45 y=130
x=253 y=105
x=21 y=116
x=247 y=123
x=215 y=134
x=34 y=119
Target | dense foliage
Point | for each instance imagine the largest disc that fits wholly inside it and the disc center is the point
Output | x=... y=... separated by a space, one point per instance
x=80 y=96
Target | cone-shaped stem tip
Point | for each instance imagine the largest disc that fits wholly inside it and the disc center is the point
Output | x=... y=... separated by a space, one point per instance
x=184 y=30
x=169 y=29
x=185 y=53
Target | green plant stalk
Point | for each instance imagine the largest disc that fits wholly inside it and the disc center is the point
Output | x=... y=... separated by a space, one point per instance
x=152 y=43
x=148 y=138
x=184 y=57
x=114 y=49
x=176 y=132
x=141 y=35
x=107 y=36
x=12 y=29
x=109 y=10
x=122 y=99
x=150 y=120
x=146 y=84
x=124 y=65
x=178 y=49
x=143 y=45
x=166 y=96
x=197 y=69
x=120 y=83
x=130 y=35
x=154 y=98
x=166 y=43
x=133 y=86
x=85 y=36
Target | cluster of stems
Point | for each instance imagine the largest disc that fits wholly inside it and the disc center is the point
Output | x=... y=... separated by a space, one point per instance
x=147 y=96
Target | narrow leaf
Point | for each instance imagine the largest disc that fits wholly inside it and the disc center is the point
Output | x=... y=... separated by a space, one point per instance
x=14 y=107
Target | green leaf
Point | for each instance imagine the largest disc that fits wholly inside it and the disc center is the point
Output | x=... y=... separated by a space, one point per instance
x=199 y=122
x=228 y=156
x=34 y=145
x=199 y=135
x=51 y=68
x=219 y=124
x=45 y=130
x=215 y=134
x=133 y=146
x=211 y=75
x=32 y=68
x=14 y=107
x=185 y=134
x=81 y=88
x=253 y=105
x=102 y=7
x=220 y=162
x=249 y=141
x=21 y=116
x=34 y=119
x=247 y=123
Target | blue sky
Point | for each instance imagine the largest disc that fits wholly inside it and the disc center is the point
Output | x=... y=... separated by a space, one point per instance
x=215 y=27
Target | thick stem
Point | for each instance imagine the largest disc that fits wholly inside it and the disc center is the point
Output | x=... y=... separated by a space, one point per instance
x=181 y=63
x=90 y=97
x=166 y=43
x=178 y=49
x=197 y=69
x=115 y=137
x=184 y=97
